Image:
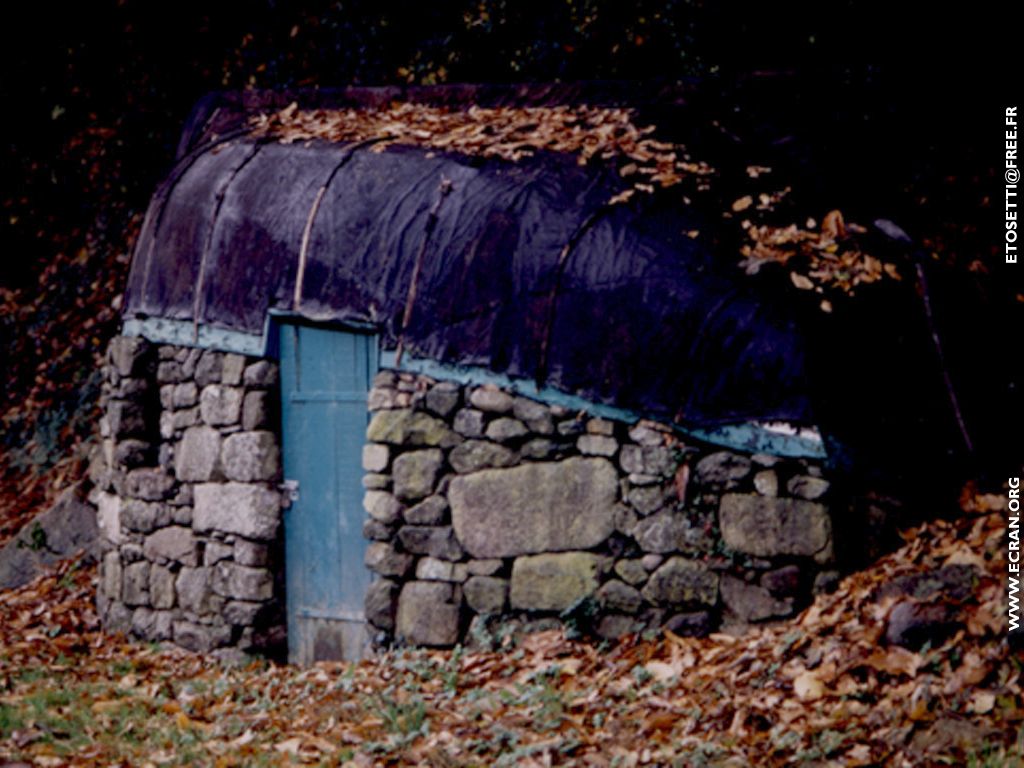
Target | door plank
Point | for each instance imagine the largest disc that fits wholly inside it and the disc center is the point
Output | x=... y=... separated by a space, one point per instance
x=325 y=377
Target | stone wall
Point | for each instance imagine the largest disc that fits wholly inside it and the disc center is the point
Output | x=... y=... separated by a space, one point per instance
x=187 y=498
x=484 y=507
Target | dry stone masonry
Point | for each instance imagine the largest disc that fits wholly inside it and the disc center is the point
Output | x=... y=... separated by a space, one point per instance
x=484 y=507
x=187 y=499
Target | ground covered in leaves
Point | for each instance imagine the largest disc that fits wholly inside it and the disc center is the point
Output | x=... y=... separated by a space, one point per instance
x=823 y=690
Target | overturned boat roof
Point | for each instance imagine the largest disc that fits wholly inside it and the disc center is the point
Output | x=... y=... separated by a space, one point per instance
x=466 y=241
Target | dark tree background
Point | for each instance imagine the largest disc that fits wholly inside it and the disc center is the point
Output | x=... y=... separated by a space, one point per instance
x=897 y=106
x=876 y=79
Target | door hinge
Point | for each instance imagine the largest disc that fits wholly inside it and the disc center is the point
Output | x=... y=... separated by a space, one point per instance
x=289 y=492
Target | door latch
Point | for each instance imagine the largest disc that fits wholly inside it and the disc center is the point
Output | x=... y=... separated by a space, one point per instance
x=290 y=492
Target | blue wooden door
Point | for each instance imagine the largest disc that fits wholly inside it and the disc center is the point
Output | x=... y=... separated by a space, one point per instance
x=325 y=377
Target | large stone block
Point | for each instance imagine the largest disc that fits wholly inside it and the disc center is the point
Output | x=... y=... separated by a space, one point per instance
x=251 y=553
x=208 y=368
x=644 y=434
x=443 y=398
x=144 y=516
x=220 y=405
x=406 y=427
x=178 y=420
x=648 y=460
x=648 y=498
x=485 y=567
x=108 y=517
x=631 y=571
x=486 y=594
x=680 y=581
x=469 y=422
x=432 y=569
x=474 y=455
x=373 y=481
x=374 y=530
x=619 y=597
x=246 y=510
x=597 y=445
x=428 y=614
x=382 y=507
x=431 y=511
x=807 y=487
x=193 y=587
x=539 y=448
x=262 y=373
x=722 y=469
x=251 y=456
x=173 y=544
x=135 y=589
x=435 y=540
x=232 y=368
x=68 y=526
x=375 y=457
x=506 y=429
x=769 y=527
x=240 y=582
x=215 y=551
x=149 y=484
x=414 y=473
x=599 y=426
x=670 y=531
x=379 y=605
x=110 y=575
x=161 y=587
x=752 y=602
x=128 y=354
x=382 y=558
x=766 y=482
x=197 y=458
x=243 y=613
x=553 y=582
x=536 y=416
x=491 y=399
x=184 y=395
x=534 y=508
x=200 y=637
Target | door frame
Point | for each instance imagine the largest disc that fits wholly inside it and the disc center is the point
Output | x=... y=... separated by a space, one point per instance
x=278 y=325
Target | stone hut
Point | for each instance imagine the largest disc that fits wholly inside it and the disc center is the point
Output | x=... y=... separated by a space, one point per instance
x=378 y=387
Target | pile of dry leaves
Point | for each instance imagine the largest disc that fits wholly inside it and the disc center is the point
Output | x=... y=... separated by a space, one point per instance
x=826 y=259
x=822 y=259
x=510 y=133
x=53 y=375
x=823 y=690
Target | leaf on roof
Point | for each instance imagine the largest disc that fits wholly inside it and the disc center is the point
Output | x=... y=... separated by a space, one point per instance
x=510 y=133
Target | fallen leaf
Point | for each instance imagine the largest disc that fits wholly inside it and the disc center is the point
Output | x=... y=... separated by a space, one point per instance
x=289 y=746
x=982 y=702
x=895 y=661
x=800 y=281
x=833 y=226
x=808 y=687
